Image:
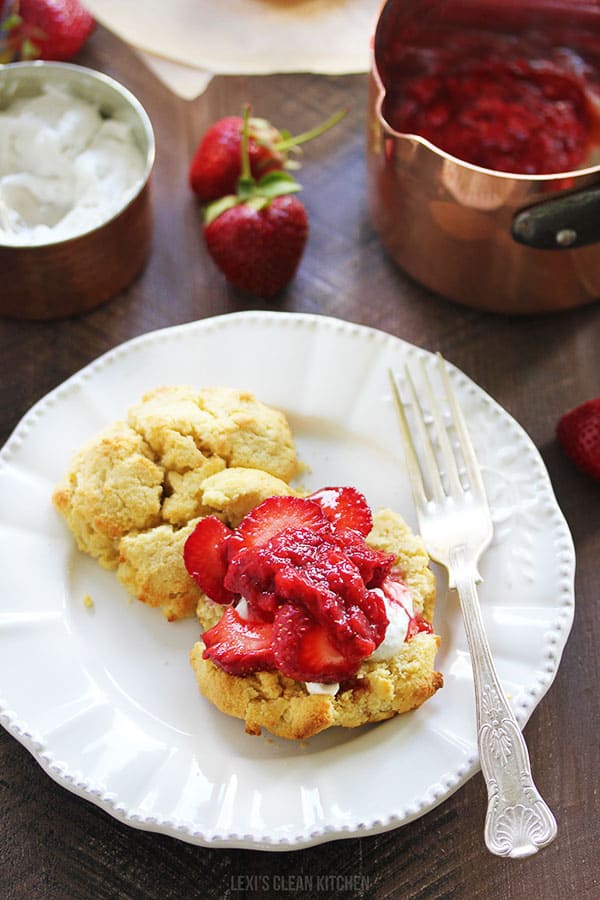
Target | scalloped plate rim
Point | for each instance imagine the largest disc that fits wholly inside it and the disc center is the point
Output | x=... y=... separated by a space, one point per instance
x=115 y=808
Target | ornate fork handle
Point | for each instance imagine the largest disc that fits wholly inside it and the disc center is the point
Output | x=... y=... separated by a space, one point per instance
x=518 y=822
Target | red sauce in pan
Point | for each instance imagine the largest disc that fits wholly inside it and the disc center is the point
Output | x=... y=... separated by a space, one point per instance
x=503 y=84
x=511 y=116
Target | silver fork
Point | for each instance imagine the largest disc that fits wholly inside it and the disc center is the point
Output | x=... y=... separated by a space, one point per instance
x=456 y=526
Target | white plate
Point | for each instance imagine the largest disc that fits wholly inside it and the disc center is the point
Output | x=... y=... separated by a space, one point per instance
x=104 y=698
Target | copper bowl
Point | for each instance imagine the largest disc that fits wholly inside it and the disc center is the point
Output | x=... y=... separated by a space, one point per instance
x=491 y=240
x=69 y=276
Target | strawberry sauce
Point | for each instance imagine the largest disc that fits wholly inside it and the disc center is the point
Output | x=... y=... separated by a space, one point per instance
x=511 y=116
x=312 y=596
x=511 y=102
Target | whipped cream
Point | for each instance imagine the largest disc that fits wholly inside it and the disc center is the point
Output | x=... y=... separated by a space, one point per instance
x=65 y=168
x=315 y=687
x=399 y=610
x=241 y=608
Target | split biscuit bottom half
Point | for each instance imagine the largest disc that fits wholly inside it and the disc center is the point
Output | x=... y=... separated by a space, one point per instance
x=380 y=689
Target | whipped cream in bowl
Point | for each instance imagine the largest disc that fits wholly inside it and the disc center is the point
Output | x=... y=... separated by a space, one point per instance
x=76 y=153
x=65 y=168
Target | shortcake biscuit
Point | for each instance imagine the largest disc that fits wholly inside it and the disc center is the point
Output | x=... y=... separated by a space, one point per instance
x=184 y=426
x=113 y=487
x=381 y=689
x=151 y=568
x=131 y=493
x=151 y=563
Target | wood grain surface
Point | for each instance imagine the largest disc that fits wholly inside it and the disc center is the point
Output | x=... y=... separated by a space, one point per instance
x=54 y=845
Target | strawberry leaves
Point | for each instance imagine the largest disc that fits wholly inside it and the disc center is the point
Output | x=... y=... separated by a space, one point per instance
x=256 y=194
x=216 y=164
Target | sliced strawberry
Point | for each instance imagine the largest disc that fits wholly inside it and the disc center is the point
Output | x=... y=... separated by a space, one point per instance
x=330 y=589
x=205 y=558
x=310 y=570
x=300 y=546
x=277 y=514
x=302 y=649
x=239 y=646
x=373 y=565
x=251 y=573
x=313 y=588
x=373 y=607
x=345 y=507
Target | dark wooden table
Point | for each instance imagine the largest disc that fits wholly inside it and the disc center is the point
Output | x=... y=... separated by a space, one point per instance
x=54 y=845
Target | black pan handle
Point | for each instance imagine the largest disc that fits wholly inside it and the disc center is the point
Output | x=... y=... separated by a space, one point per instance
x=567 y=222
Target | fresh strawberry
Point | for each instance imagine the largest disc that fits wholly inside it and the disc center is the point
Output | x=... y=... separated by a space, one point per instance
x=276 y=514
x=578 y=433
x=345 y=507
x=259 y=249
x=205 y=558
x=257 y=236
x=216 y=164
x=45 y=29
x=239 y=646
x=302 y=649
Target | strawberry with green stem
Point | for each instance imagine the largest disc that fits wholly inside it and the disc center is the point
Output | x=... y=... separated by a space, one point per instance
x=44 y=29
x=257 y=236
x=216 y=164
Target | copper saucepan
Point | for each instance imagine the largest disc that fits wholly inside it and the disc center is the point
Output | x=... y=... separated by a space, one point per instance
x=494 y=240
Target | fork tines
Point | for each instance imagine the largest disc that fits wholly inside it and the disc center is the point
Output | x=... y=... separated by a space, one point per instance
x=446 y=470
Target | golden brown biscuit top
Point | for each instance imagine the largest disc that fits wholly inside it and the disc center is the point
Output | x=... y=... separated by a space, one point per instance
x=182 y=453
